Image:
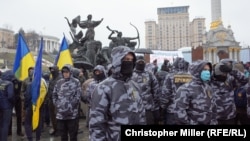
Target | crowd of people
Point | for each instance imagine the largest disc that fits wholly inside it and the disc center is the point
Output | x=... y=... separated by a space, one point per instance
x=129 y=91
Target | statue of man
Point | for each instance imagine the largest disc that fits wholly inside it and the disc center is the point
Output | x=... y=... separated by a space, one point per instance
x=119 y=40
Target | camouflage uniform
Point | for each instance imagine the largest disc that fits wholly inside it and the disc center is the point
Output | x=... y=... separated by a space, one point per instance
x=151 y=67
x=172 y=82
x=161 y=75
x=247 y=72
x=194 y=104
x=224 y=96
x=92 y=85
x=116 y=101
x=149 y=94
x=66 y=98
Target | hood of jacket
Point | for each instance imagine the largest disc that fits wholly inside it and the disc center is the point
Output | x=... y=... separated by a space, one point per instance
x=117 y=54
x=179 y=64
x=68 y=67
x=196 y=68
x=100 y=68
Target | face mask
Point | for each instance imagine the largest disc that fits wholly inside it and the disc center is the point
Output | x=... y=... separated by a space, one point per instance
x=140 y=66
x=221 y=78
x=54 y=73
x=99 y=77
x=180 y=65
x=127 y=68
x=246 y=73
x=205 y=75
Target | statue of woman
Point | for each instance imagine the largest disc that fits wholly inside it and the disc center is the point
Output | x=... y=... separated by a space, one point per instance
x=73 y=26
x=75 y=37
x=90 y=25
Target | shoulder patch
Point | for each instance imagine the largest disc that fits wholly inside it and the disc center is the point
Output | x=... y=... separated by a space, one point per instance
x=182 y=78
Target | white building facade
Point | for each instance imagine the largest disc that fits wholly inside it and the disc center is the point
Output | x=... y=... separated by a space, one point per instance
x=51 y=43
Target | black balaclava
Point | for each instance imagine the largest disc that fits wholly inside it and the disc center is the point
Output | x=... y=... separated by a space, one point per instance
x=99 y=77
x=127 y=68
x=221 y=78
x=140 y=65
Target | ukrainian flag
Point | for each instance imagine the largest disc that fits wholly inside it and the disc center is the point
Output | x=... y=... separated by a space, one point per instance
x=38 y=89
x=23 y=60
x=64 y=56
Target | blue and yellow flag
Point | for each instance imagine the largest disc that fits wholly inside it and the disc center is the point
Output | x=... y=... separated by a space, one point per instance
x=64 y=56
x=38 y=89
x=23 y=60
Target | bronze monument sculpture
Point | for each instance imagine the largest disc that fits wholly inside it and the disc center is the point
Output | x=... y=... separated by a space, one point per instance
x=88 y=51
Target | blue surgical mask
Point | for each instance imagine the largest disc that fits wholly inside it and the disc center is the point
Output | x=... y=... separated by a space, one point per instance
x=205 y=75
x=246 y=74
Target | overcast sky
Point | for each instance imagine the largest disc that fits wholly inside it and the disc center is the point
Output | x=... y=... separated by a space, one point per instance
x=47 y=16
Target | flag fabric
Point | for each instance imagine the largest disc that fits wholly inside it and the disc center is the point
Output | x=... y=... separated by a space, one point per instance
x=38 y=89
x=64 y=56
x=23 y=60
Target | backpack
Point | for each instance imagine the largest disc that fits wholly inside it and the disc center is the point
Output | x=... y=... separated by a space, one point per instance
x=240 y=97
